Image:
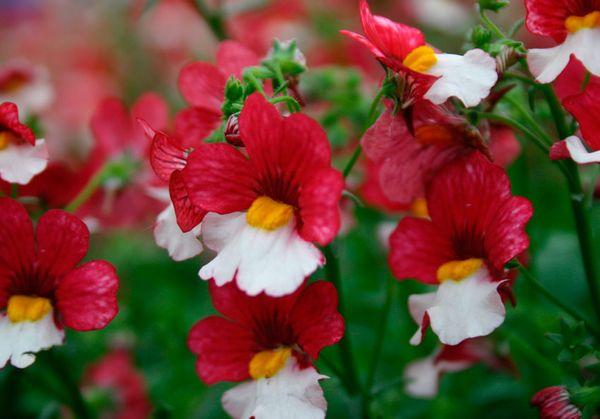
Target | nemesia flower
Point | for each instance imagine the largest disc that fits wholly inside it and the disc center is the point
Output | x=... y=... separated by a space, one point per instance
x=476 y=226
x=574 y=25
x=26 y=85
x=554 y=403
x=427 y=73
x=21 y=155
x=202 y=85
x=117 y=374
x=582 y=103
x=42 y=289
x=266 y=210
x=423 y=375
x=408 y=161
x=177 y=227
x=272 y=342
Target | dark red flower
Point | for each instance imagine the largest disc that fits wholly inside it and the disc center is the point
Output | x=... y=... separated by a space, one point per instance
x=305 y=322
x=555 y=403
x=547 y=17
x=473 y=215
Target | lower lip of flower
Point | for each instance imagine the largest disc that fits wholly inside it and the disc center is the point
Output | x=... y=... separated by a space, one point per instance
x=458 y=270
x=268 y=214
x=23 y=308
x=420 y=59
x=266 y=364
x=589 y=21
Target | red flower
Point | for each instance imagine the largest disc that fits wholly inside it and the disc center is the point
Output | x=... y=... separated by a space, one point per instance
x=202 y=85
x=473 y=215
x=116 y=372
x=273 y=203
x=554 y=403
x=41 y=285
x=231 y=348
x=9 y=124
x=548 y=17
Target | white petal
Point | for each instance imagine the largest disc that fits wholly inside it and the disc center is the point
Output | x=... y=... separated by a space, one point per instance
x=275 y=262
x=422 y=378
x=579 y=153
x=469 y=77
x=168 y=235
x=20 y=341
x=547 y=63
x=461 y=310
x=293 y=393
x=418 y=304
x=20 y=163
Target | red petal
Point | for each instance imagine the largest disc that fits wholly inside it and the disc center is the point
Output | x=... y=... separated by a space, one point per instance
x=112 y=127
x=151 y=108
x=220 y=179
x=363 y=41
x=315 y=318
x=224 y=350
x=9 y=120
x=166 y=156
x=233 y=57
x=391 y=38
x=16 y=245
x=195 y=124
x=87 y=296
x=188 y=215
x=559 y=151
x=504 y=146
x=570 y=81
x=203 y=86
x=62 y=240
x=585 y=109
x=372 y=193
x=319 y=206
x=547 y=17
x=417 y=249
x=470 y=202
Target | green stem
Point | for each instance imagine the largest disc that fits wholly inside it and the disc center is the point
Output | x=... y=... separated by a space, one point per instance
x=554 y=300
x=332 y=270
x=529 y=119
x=214 y=19
x=371 y=117
x=88 y=190
x=556 y=109
x=491 y=25
x=518 y=126
x=381 y=333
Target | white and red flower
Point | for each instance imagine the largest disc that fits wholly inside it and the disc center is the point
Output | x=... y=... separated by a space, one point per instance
x=42 y=290
x=117 y=374
x=426 y=73
x=271 y=341
x=574 y=25
x=202 y=85
x=266 y=207
x=21 y=155
x=555 y=403
x=476 y=226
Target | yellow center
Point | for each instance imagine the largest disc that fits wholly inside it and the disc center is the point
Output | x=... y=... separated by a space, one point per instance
x=266 y=364
x=589 y=21
x=418 y=208
x=420 y=59
x=23 y=308
x=269 y=214
x=4 y=139
x=458 y=269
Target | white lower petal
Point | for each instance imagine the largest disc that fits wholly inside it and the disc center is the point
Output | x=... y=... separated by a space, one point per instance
x=168 y=235
x=468 y=77
x=276 y=262
x=293 y=393
x=460 y=310
x=423 y=375
x=547 y=63
x=579 y=153
x=20 y=341
x=20 y=163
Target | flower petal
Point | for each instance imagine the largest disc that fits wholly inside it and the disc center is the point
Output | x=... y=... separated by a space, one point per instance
x=87 y=296
x=202 y=85
x=193 y=125
x=233 y=57
x=9 y=120
x=584 y=107
x=188 y=215
x=166 y=156
x=168 y=235
x=19 y=163
x=579 y=153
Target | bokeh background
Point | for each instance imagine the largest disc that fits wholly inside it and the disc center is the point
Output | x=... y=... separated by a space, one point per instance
x=95 y=49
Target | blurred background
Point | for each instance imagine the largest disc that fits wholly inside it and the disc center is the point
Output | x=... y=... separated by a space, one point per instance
x=85 y=51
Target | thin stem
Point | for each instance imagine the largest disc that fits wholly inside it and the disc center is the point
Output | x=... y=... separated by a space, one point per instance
x=554 y=300
x=520 y=77
x=515 y=28
x=491 y=25
x=332 y=270
x=529 y=119
x=516 y=125
x=557 y=113
x=88 y=190
x=214 y=19
x=371 y=117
